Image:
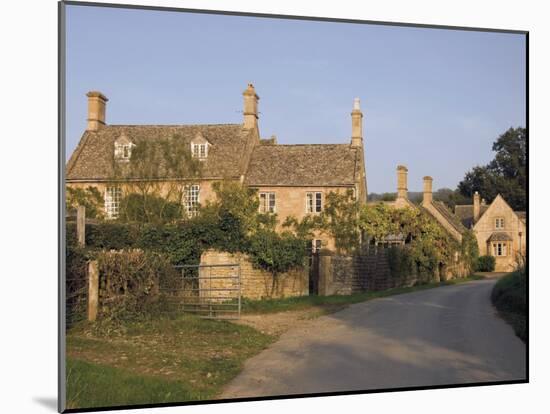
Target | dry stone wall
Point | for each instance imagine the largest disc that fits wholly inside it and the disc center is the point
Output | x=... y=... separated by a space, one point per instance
x=255 y=283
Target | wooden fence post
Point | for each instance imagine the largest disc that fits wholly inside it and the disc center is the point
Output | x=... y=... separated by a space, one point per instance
x=81 y=225
x=93 y=290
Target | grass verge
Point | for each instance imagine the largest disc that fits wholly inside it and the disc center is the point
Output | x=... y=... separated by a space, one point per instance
x=156 y=361
x=333 y=303
x=510 y=298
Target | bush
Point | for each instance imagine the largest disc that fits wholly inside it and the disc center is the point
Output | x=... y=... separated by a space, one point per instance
x=400 y=262
x=129 y=285
x=485 y=264
x=112 y=235
x=510 y=298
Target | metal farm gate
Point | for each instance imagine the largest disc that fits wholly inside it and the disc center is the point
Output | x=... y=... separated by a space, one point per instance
x=210 y=291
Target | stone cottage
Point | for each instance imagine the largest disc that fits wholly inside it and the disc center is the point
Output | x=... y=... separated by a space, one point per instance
x=500 y=231
x=291 y=180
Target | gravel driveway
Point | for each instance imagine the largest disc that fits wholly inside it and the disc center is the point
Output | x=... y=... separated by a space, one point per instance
x=446 y=335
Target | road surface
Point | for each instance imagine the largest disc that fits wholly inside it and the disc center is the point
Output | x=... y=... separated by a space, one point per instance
x=447 y=335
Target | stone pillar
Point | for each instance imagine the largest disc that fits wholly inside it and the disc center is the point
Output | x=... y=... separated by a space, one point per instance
x=477 y=206
x=356 y=124
x=81 y=225
x=402 y=191
x=250 y=111
x=96 y=110
x=427 y=195
x=93 y=290
x=325 y=275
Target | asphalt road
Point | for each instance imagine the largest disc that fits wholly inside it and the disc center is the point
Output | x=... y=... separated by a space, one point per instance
x=441 y=336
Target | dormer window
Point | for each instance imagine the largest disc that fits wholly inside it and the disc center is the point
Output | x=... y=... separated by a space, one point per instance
x=199 y=151
x=199 y=147
x=123 y=148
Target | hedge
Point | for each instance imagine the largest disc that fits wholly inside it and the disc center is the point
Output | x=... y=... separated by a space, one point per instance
x=486 y=264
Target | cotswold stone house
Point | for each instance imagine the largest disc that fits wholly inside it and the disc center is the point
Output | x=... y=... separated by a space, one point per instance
x=436 y=209
x=500 y=231
x=292 y=180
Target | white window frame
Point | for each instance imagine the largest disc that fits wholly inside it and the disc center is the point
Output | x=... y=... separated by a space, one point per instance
x=199 y=151
x=316 y=245
x=268 y=202
x=191 y=199
x=500 y=249
x=123 y=152
x=314 y=202
x=113 y=196
x=499 y=223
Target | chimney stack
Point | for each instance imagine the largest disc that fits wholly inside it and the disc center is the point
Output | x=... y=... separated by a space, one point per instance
x=477 y=206
x=250 y=107
x=356 y=124
x=427 y=196
x=402 y=182
x=96 y=110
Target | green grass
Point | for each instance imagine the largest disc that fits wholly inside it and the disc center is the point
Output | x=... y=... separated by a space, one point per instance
x=156 y=361
x=327 y=304
x=510 y=298
x=178 y=359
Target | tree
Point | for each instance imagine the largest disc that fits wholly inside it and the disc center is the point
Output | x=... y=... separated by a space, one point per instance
x=276 y=253
x=154 y=180
x=89 y=197
x=506 y=174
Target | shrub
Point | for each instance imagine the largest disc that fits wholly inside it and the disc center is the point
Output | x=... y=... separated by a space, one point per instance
x=112 y=235
x=276 y=253
x=129 y=282
x=178 y=242
x=400 y=262
x=76 y=283
x=510 y=297
x=486 y=264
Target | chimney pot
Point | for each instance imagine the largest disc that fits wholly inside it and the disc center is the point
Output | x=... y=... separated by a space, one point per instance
x=250 y=111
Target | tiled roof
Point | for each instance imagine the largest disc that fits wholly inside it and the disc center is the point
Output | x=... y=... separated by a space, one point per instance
x=303 y=165
x=465 y=213
x=522 y=215
x=449 y=216
x=500 y=236
x=93 y=158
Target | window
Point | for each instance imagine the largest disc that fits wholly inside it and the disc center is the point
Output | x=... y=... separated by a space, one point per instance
x=191 y=199
x=123 y=152
x=500 y=249
x=316 y=245
x=314 y=202
x=499 y=223
x=267 y=202
x=199 y=151
x=112 y=202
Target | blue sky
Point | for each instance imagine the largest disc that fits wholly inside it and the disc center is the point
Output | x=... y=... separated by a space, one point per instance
x=434 y=100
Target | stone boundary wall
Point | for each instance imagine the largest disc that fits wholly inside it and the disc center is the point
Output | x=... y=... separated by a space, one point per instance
x=370 y=271
x=257 y=283
x=344 y=275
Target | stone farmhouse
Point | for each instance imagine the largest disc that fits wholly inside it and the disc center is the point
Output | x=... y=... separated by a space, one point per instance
x=436 y=209
x=500 y=231
x=291 y=180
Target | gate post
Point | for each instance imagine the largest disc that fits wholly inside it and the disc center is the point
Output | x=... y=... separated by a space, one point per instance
x=93 y=290
x=325 y=277
x=81 y=225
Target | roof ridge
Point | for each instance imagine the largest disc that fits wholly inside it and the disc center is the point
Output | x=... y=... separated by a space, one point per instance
x=301 y=145
x=169 y=125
